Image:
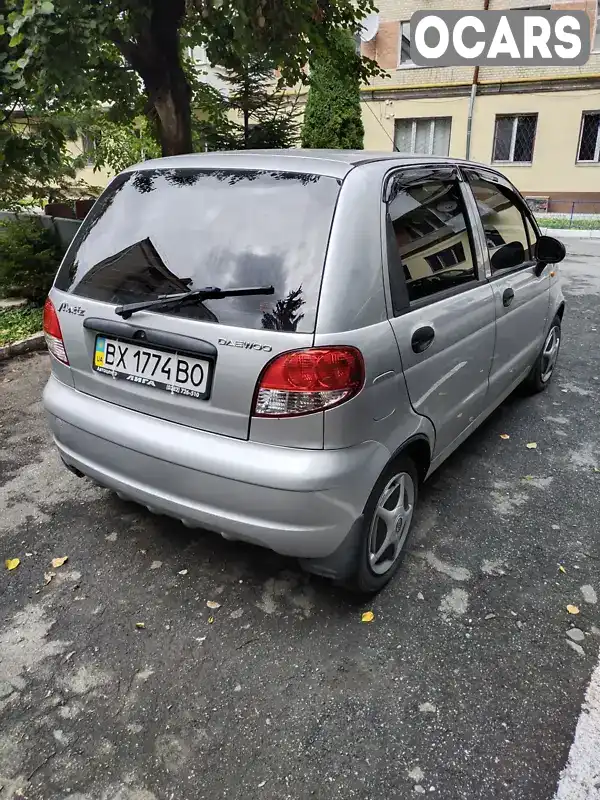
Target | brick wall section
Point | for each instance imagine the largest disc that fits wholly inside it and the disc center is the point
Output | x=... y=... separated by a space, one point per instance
x=385 y=46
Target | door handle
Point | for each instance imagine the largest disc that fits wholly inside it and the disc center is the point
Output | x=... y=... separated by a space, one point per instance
x=422 y=338
x=507 y=297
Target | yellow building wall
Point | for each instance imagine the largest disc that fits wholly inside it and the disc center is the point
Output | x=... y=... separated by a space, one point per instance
x=554 y=168
x=98 y=179
x=379 y=116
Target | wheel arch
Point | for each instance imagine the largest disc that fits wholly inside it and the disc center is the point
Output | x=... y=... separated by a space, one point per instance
x=419 y=449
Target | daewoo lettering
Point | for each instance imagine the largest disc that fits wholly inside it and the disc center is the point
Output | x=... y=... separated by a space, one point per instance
x=264 y=348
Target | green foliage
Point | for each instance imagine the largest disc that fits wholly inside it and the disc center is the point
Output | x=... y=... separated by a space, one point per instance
x=43 y=81
x=118 y=145
x=580 y=223
x=333 y=116
x=129 y=54
x=18 y=323
x=29 y=258
x=35 y=164
x=256 y=113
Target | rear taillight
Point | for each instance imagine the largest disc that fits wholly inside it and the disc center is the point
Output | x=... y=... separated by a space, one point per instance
x=305 y=381
x=53 y=333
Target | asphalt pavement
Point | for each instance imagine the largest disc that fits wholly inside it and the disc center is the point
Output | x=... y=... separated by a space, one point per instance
x=118 y=682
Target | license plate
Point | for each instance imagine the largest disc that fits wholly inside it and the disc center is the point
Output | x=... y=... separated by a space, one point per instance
x=171 y=372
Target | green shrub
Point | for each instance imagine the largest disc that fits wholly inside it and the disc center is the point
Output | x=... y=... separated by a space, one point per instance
x=333 y=117
x=29 y=257
x=18 y=323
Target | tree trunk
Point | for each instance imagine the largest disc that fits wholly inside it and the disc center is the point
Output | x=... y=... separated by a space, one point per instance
x=155 y=55
x=172 y=103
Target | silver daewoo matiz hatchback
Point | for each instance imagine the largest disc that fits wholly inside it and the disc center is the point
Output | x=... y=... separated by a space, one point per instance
x=280 y=346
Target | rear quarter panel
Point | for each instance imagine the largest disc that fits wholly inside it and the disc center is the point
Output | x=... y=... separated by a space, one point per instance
x=352 y=311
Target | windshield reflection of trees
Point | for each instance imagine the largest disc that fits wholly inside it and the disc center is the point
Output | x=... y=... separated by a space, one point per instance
x=284 y=315
x=140 y=267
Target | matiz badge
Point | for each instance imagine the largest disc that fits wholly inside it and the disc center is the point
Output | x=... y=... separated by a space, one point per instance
x=80 y=312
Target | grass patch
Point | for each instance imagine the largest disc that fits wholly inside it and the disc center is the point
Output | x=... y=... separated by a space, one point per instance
x=18 y=323
x=577 y=224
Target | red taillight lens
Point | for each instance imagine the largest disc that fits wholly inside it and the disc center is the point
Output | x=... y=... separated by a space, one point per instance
x=305 y=381
x=53 y=333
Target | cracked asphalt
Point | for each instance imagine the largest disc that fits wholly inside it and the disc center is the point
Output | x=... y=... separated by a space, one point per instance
x=465 y=685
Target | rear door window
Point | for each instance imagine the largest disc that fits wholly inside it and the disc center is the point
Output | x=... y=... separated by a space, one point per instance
x=157 y=232
x=430 y=228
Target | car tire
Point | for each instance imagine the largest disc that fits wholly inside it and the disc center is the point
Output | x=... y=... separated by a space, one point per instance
x=395 y=492
x=542 y=371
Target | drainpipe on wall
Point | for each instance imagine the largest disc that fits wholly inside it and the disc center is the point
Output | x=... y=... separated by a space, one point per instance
x=486 y=5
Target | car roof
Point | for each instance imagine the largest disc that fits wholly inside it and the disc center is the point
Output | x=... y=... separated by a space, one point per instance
x=335 y=163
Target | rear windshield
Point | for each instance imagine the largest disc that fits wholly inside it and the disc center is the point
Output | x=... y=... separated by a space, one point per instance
x=164 y=231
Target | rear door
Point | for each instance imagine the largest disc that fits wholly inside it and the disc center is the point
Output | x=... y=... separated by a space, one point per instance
x=521 y=297
x=157 y=232
x=442 y=305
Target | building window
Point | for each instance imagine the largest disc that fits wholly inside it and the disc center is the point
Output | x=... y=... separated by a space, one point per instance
x=514 y=138
x=589 y=139
x=88 y=147
x=427 y=137
x=198 y=55
x=404 y=59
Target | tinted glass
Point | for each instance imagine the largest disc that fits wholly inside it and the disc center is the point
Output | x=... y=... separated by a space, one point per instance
x=500 y=216
x=165 y=231
x=503 y=138
x=432 y=236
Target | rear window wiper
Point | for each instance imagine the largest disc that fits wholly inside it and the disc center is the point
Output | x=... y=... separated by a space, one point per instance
x=185 y=298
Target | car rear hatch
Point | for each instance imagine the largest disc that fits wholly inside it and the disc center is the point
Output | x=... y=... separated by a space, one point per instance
x=173 y=231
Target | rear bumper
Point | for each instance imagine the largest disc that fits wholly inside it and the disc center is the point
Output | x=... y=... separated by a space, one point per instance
x=296 y=502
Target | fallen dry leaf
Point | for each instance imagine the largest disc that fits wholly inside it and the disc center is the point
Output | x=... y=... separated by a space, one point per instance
x=562 y=569
x=596 y=469
x=182 y=572
x=58 y=562
x=367 y=616
x=528 y=477
x=211 y=620
x=140 y=625
x=532 y=446
x=48 y=577
x=212 y=604
x=572 y=609
x=504 y=436
x=12 y=563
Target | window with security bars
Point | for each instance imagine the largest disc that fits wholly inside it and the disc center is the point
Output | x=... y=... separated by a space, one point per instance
x=589 y=140
x=424 y=137
x=514 y=138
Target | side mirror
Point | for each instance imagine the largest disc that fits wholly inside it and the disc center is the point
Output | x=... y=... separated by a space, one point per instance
x=508 y=256
x=549 y=250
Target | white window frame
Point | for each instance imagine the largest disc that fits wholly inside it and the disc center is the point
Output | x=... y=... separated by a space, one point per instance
x=413 y=133
x=596 y=159
x=409 y=64
x=513 y=139
x=88 y=147
x=596 y=39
